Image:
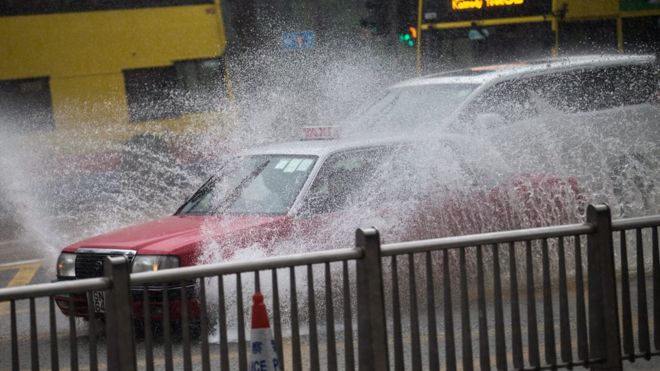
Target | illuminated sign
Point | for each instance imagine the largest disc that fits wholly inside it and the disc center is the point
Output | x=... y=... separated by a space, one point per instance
x=635 y=5
x=468 y=10
x=504 y=2
x=478 y=4
x=466 y=4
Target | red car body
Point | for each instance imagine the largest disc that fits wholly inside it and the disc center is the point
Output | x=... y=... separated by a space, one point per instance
x=518 y=202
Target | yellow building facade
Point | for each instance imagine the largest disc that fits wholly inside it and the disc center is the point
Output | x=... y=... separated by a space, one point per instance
x=78 y=62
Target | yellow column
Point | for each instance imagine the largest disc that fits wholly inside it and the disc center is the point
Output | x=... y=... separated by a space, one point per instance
x=619 y=33
x=554 y=24
x=418 y=56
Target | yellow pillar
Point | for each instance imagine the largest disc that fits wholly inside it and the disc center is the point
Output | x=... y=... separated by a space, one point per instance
x=418 y=54
x=554 y=24
x=619 y=34
x=557 y=7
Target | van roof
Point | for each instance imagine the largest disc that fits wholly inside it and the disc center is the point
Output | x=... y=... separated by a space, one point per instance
x=323 y=148
x=485 y=74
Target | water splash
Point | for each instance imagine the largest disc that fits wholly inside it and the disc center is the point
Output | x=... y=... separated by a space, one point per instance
x=613 y=153
x=275 y=94
x=65 y=185
x=24 y=213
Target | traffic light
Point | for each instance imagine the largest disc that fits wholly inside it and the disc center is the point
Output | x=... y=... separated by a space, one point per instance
x=376 y=19
x=409 y=36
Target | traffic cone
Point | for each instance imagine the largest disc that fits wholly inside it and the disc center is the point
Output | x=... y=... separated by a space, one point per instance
x=263 y=353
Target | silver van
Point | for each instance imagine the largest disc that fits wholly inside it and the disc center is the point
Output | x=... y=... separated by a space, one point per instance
x=506 y=93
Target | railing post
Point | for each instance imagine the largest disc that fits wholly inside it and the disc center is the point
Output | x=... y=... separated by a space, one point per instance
x=604 y=336
x=372 y=330
x=118 y=316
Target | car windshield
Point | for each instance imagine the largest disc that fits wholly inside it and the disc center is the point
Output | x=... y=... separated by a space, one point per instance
x=412 y=106
x=260 y=184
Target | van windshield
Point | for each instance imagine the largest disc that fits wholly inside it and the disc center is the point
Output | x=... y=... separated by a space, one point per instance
x=413 y=106
x=260 y=184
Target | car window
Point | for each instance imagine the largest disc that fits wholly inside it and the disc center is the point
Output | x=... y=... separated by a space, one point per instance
x=572 y=91
x=396 y=174
x=341 y=176
x=512 y=100
x=596 y=89
x=413 y=106
x=264 y=184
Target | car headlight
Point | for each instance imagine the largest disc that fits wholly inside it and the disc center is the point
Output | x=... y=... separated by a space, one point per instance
x=153 y=263
x=66 y=265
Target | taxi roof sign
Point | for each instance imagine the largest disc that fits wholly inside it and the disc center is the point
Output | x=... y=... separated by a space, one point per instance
x=320 y=132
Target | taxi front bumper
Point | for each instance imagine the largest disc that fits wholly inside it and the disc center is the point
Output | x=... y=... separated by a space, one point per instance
x=78 y=305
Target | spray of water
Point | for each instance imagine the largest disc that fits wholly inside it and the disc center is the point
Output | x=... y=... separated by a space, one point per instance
x=60 y=188
x=511 y=177
x=23 y=212
x=612 y=153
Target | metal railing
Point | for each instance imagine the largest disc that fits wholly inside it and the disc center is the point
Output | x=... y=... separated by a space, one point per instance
x=642 y=233
x=535 y=298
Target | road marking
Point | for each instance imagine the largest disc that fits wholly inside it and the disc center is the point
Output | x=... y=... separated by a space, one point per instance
x=12 y=265
x=25 y=274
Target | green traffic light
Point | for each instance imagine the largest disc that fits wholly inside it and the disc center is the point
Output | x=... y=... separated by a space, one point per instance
x=407 y=39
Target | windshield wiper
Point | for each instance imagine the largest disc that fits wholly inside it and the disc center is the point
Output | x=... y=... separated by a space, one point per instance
x=201 y=192
x=236 y=193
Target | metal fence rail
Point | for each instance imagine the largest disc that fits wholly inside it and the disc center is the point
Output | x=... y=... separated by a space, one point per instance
x=459 y=266
x=534 y=298
x=271 y=265
x=141 y=300
x=642 y=235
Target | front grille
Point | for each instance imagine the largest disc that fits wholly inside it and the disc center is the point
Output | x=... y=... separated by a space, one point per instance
x=89 y=262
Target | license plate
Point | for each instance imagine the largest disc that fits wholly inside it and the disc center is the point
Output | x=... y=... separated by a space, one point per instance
x=98 y=300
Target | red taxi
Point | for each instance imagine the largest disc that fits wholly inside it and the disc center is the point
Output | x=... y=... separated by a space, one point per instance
x=314 y=193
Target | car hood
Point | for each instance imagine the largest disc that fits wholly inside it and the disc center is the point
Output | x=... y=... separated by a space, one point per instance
x=179 y=234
